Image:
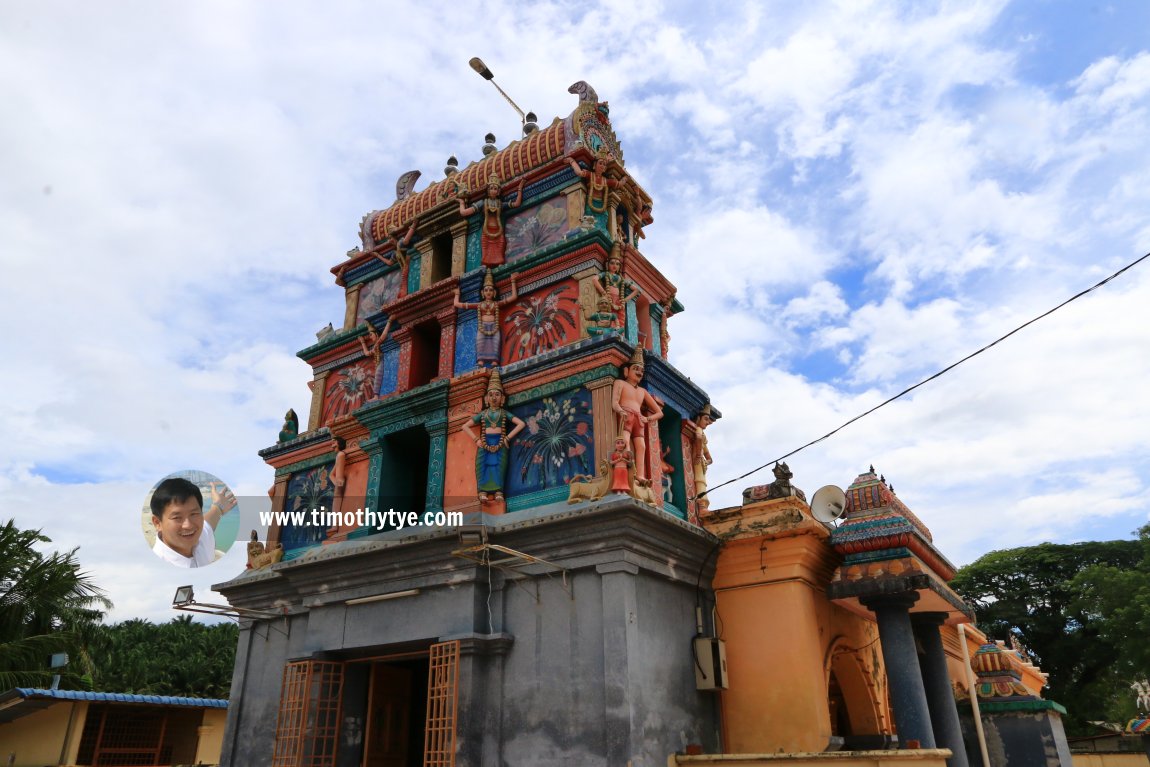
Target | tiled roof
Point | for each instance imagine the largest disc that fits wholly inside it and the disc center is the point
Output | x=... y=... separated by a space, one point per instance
x=119 y=697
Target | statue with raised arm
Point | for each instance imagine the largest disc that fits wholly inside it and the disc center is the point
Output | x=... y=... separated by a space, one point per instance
x=493 y=442
x=371 y=348
x=635 y=408
x=489 y=336
x=598 y=182
x=494 y=239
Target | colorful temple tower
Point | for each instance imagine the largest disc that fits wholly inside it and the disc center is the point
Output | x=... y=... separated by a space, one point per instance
x=495 y=543
x=502 y=357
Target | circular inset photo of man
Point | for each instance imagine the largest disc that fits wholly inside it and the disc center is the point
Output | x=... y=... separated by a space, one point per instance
x=190 y=519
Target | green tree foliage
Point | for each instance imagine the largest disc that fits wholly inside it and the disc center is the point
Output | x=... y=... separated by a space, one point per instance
x=181 y=657
x=47 y=605
x=1049 y=597
x=1117 y=599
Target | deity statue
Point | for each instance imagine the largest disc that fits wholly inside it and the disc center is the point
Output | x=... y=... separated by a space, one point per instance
x=628 y=401
x=664 y=330
x=489 y=337
x=617 y=288
x=338 y=474
x=494 y=241
x=290 y=428
x=493 y=445
x=371 y=348
x=402 y=254
x=604 y=321
x=598 y=182
x=700 y=455
x=622 y=463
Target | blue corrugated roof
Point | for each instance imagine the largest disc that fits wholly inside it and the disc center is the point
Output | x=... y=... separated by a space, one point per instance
x=120 y=697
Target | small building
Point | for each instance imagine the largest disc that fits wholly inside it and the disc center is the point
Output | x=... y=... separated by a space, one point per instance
x=74 y=727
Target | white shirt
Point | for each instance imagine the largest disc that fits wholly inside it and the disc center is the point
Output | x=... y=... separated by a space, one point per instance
x=203 y=554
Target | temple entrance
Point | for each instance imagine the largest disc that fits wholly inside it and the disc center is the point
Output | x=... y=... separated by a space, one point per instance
x=854 y=712
x=396 y=714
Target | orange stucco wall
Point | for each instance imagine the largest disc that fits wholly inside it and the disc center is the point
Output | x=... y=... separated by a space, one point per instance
x=784 y=638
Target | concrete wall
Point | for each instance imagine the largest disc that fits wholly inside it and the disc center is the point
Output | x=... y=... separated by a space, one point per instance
x=593 y=671
x=38 y=738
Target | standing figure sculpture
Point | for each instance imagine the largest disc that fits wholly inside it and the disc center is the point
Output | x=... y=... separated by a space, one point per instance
x=494 y=240
x=700 y=455
x=371 y=348
x=493 y=444
x=628 y=401
x=598 y=183
x=622 y=462
x=402 y=254
x=489 y=337
x=615 y=287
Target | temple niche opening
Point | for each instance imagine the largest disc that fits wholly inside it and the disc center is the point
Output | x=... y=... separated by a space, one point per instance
x=533 y=572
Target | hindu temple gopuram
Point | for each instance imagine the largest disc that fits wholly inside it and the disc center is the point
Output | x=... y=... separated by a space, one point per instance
x=495 y=545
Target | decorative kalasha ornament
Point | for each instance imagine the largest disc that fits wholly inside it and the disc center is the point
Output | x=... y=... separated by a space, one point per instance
x=622 y=466
x=493 y=444
x=489 y=336
x=617 y=288
x=628 y=401
x=493 y=241
x=290 y=428
x=598 y=182
x=371 y=348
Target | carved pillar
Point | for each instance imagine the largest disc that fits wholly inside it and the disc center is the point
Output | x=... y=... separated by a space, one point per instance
x=373 y=447
x=318 y=387
x=936 y=680
x=279 y=496
x=436 y=462
x=903 y=673
x=351 y=308
x=576 y=204
x=446 y=319
x=425 y=262
x=458 y=248
x=402 y=337
x=603 y=419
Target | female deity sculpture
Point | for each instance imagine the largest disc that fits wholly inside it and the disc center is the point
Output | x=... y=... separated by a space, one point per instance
x=622 y=462
x=616 y=287
x=493 y=444
x=489 y=337
x=494 y=240
x=371 y=348
x=598 y=183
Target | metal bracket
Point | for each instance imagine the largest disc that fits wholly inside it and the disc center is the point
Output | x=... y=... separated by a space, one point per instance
x=511 y=564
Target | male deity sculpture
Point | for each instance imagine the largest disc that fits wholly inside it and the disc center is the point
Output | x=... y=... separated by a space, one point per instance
x=493 y=444
x=494 y=240
x=700 y=455
x=629 y=401
x=489 y=336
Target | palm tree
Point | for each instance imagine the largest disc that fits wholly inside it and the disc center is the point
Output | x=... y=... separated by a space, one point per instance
x=47 y=605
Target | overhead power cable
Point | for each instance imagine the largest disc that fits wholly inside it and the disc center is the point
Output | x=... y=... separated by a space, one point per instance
x=930 y=378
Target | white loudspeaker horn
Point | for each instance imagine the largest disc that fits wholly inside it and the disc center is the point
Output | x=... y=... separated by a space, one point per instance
x=829 y=504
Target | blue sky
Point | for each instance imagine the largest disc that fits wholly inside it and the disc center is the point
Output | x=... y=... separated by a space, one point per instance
x=849 y=196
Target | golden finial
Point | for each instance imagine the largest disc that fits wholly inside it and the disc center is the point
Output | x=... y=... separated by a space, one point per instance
x=489 y=280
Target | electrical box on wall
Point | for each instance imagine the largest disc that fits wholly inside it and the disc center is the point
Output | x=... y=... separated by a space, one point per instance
x=710 y=664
